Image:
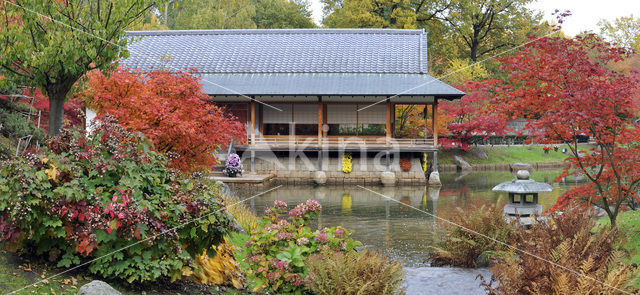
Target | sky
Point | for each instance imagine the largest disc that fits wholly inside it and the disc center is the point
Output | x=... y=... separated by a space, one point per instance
x=585 y=13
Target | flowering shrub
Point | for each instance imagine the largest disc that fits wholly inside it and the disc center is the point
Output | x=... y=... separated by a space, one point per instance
x=277 y=251
x=405 y=164
x=89 y=196
x=233 y=166
x=347 y=165
x=424 y=162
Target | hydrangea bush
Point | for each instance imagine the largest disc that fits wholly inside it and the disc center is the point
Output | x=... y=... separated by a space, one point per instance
x=89 y=196
x=277 y=250
x=233 y=166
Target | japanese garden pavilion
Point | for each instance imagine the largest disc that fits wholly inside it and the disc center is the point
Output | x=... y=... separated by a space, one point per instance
x=319 y=89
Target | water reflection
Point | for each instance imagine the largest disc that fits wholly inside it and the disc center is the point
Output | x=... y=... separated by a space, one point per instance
x=399 y=230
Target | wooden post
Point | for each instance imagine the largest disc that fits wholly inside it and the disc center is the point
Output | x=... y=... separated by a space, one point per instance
x=434 y=122
x=320 y=123
x=253 y=123
x=426 y=115
x=388 y=122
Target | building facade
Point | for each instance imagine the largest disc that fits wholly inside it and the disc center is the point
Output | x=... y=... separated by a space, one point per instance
x=318 y=93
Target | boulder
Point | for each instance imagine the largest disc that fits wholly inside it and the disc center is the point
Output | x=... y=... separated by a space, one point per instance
x=480 y=153
x=462 y=164
x=434 y=179
x=320 y=177
x=224 y=188
x=388 y=178
x=514 y=167
x=97 y=288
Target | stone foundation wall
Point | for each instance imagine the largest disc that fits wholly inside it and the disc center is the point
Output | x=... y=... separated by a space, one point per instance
x=301 y=169
x=502 y=167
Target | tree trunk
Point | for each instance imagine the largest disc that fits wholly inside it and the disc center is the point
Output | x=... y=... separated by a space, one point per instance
x=473 y=55
x=56 y=114
x=612 y=218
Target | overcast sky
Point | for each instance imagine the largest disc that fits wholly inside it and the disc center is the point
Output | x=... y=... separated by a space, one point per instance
x=585 y=13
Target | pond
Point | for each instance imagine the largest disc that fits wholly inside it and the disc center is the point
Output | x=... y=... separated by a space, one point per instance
x=391 y=226
x=408 y=232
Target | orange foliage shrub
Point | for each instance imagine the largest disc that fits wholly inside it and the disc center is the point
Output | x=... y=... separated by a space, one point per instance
x=170 y=109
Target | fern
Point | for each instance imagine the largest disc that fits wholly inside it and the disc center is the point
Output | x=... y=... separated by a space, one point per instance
x=568 y=241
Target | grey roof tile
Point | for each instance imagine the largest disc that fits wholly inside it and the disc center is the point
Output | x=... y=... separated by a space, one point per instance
x=281 y=51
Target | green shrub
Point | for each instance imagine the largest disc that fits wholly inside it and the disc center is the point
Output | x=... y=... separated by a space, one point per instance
x=367 y=272
x=274 y=256
x=89 y=196
x=14 y=125
x=460 y=247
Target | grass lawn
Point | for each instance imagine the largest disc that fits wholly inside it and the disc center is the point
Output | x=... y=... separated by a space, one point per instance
x=506 y=154
x=629 y=220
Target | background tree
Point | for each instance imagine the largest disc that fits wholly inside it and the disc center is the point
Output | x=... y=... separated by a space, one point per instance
x=471 y=116
x=459 y=71
x=37 y=50
x=211 y=14
x=150 y=22
x=458 y=29
x=369 y=14
x=282 y=14
x=625 y=31
x=237 y=14
x=410 y=121
x=170 y=109
x=484 y=26
x=565 y=88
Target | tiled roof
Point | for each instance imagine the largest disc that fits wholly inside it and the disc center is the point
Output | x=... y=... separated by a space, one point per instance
x=355 y=84
x=281 y=51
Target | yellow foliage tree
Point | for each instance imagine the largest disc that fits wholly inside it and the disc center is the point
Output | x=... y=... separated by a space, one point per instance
x=369 y=14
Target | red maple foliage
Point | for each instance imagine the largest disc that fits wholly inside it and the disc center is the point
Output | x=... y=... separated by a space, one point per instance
x=470 y=116
x=565 y=89
x=170 y=109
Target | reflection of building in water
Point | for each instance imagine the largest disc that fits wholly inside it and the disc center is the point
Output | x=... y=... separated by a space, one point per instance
x=405 y=204
x=347 y=201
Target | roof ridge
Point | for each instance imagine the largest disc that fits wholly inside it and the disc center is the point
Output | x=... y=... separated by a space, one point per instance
x=276 y=31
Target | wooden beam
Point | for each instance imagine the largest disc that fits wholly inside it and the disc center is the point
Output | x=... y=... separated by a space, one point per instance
x=320 y=123
x=434 y=123
x=253 y=123
x=261 y=116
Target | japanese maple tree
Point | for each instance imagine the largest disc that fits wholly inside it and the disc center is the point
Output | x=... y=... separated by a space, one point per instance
x=170 y=109
x=565 y=88
x=51 y=45
x=470 y=116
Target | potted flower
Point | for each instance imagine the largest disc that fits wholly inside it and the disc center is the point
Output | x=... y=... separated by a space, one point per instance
x=233 y=166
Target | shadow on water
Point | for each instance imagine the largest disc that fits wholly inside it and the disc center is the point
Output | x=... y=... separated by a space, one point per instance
x=398 y=230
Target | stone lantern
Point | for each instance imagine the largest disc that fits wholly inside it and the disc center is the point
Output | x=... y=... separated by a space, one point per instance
x=523 y=196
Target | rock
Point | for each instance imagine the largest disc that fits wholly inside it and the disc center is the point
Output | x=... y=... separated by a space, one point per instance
x=434 y=179
x=462 y=164
x=98 y=288
x=480 y=153
x=520 y=166
x=388 y=178
x=224 y=188
x=484 y=259
x=320 y=177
